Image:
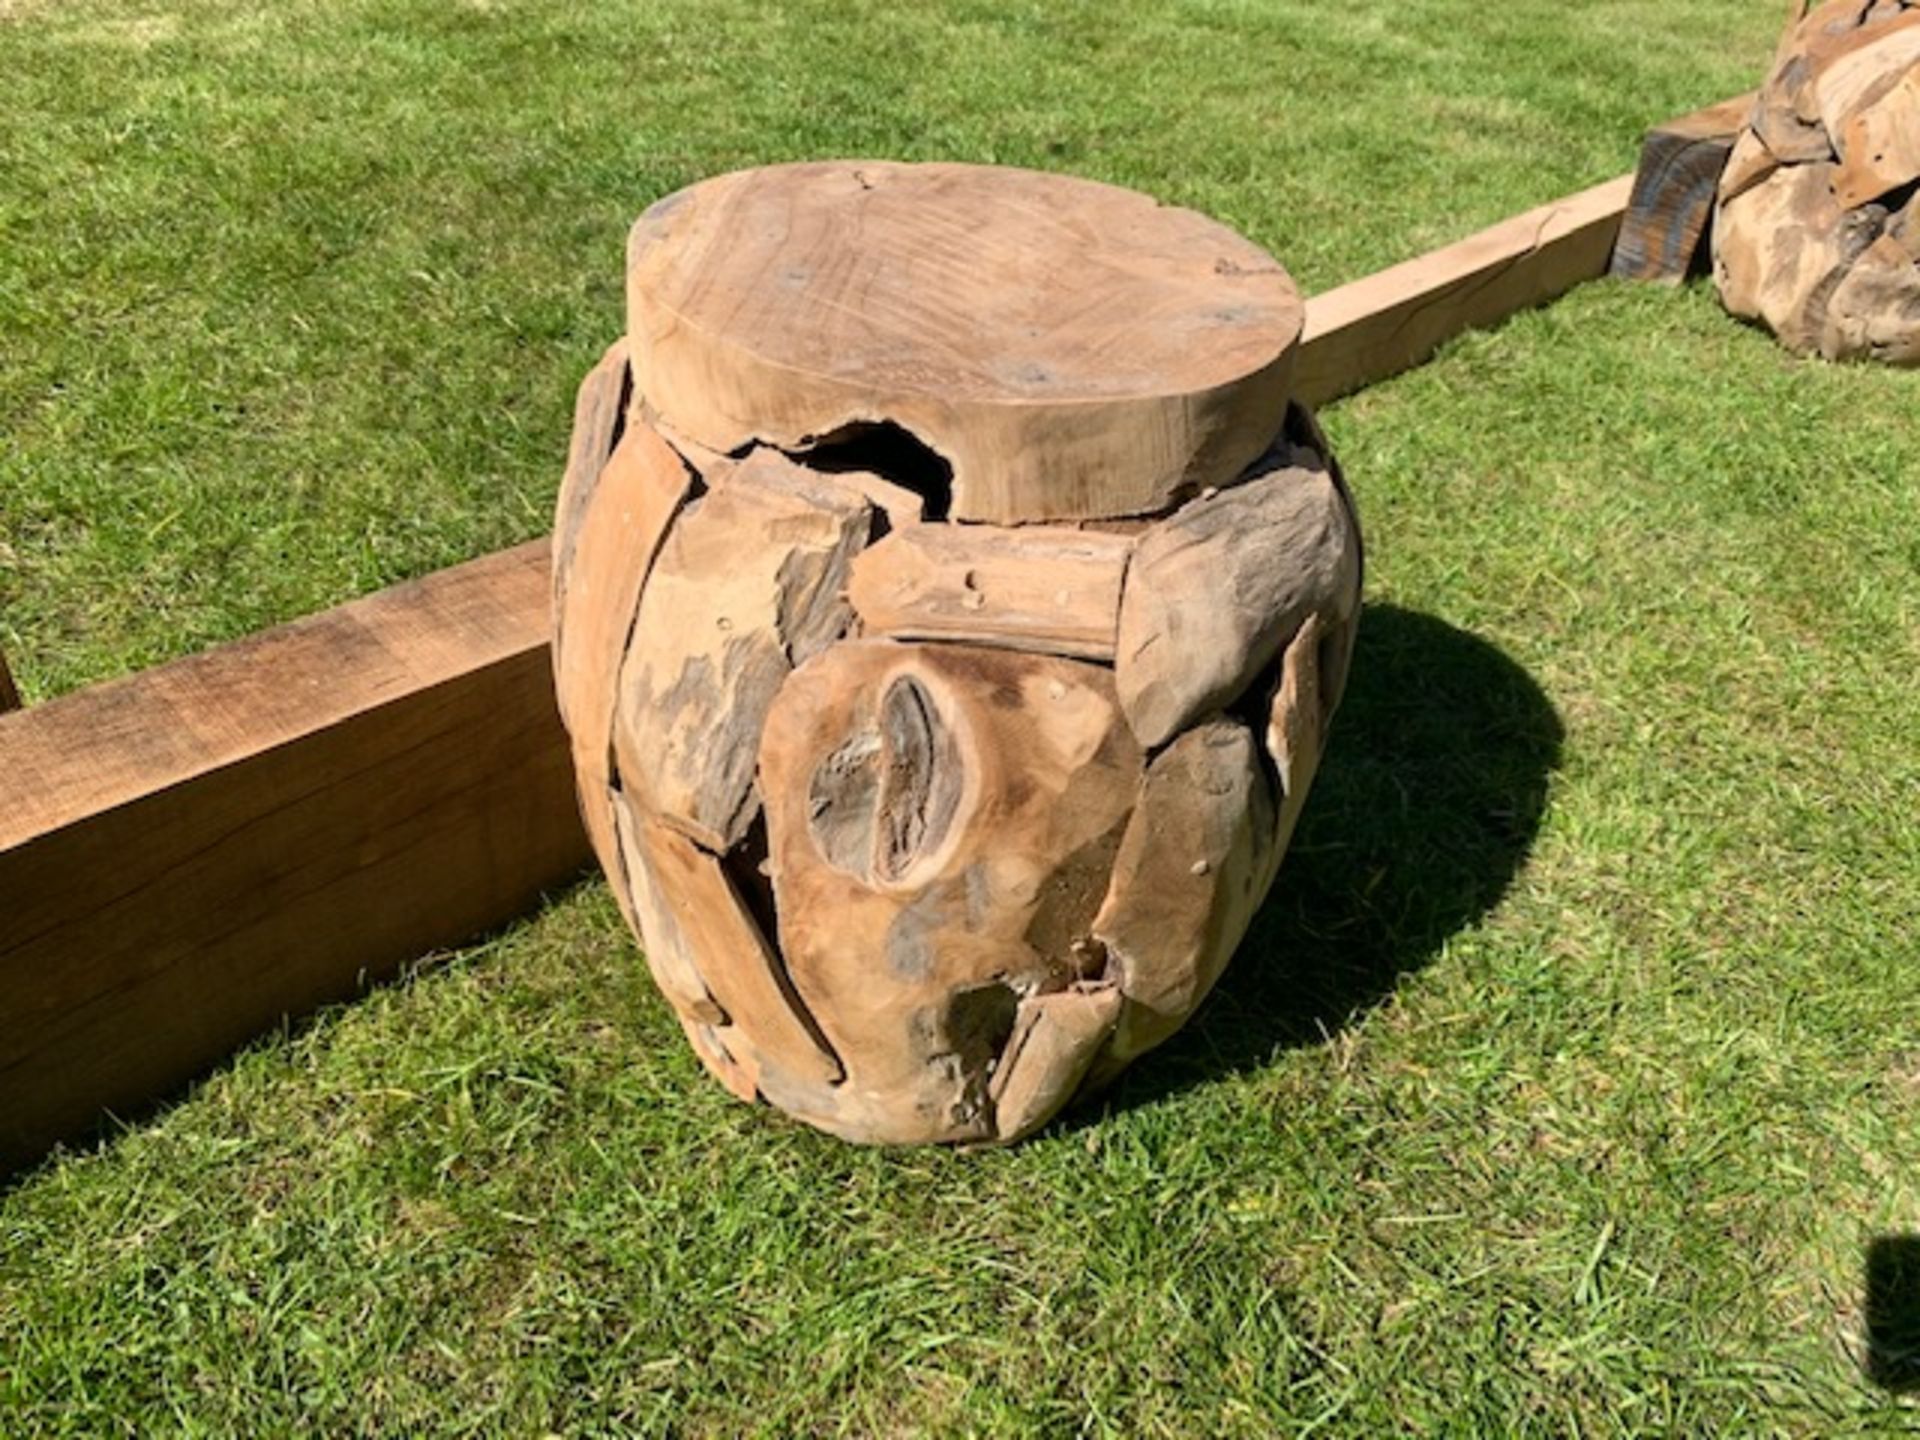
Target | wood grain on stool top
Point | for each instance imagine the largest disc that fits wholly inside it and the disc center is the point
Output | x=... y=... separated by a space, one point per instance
x=1072 y=349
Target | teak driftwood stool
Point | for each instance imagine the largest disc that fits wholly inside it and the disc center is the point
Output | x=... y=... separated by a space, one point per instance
x=1818 y=230
x=950 y=607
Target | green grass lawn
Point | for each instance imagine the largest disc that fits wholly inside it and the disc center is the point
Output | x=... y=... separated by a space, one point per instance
x=1569 y=1085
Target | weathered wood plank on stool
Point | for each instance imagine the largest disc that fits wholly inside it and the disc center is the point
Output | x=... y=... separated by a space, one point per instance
x=1042 y=588
x=1663 y=235
x=1219 y=587
x=193 y=853
x=750 y=581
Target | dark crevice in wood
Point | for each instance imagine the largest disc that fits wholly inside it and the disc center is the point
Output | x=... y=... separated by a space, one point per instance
x=1895 y=203
x=748 y=869
x=890 y=451
x=880 y=526
x=696 y=489
x=979 y=1025
x=1061 y=931
x=1091 y=961
x=1253 y=708
x=696 y=480
x=619 y=428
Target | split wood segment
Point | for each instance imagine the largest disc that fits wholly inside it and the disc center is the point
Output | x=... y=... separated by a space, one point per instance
x=9 y=692
x=191 y=855
x=317 y=765
x=1664 y=234
x=948 y=621
x=1818 y=232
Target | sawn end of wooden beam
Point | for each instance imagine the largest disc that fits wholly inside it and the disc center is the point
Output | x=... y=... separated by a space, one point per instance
x=191 y=854
x=1664 y=233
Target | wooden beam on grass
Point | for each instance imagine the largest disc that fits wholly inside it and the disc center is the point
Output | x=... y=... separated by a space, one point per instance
x=1664 y=234
x=191 y=854
x=1393 y=320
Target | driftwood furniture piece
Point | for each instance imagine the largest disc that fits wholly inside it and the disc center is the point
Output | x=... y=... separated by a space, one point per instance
x=295 y=755
x=950 y=605
x=1818 y=229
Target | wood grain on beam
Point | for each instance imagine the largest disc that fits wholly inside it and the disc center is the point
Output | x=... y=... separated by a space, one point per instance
x=192 y=853
x=1391 y=321
x=1663 y=235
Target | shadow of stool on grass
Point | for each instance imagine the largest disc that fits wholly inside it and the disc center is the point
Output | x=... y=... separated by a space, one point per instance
x=1893 y=1313
x=1426 y=805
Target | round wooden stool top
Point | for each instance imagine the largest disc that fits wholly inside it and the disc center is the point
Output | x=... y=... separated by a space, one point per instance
x=1070 y=349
